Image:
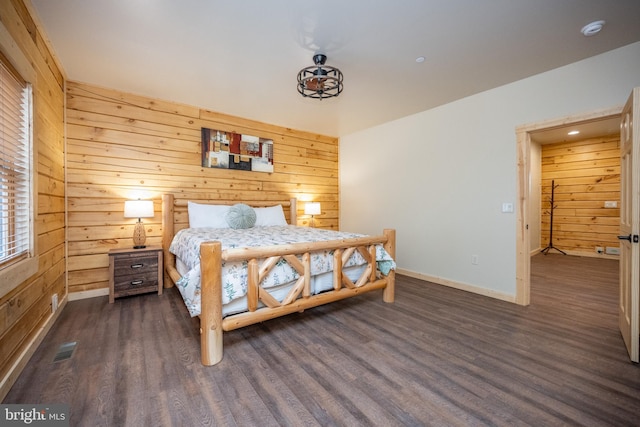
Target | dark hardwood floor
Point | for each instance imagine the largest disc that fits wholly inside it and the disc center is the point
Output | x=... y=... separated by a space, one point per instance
x=437 y=356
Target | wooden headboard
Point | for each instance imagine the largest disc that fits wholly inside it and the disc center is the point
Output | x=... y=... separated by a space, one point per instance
x=175 y=217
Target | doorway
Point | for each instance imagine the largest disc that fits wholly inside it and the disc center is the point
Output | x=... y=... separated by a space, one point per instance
x=526 y=136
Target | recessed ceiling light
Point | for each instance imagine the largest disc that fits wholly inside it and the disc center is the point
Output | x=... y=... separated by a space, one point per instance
x=420 y=59
x=592 y=28
x=573 y=132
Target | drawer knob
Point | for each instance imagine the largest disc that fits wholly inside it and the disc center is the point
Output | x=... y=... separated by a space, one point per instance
x=137 y=265
x=136 y=282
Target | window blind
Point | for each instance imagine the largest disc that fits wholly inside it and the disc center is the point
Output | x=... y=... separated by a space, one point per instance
x=15 y=174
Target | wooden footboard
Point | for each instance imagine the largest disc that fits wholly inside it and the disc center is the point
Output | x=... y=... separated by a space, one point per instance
x=261 y=305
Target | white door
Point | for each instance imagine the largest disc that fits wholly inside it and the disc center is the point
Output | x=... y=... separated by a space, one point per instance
x=629 y=225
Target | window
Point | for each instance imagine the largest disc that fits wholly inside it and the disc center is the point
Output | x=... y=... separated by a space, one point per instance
x=18 y=207
x=15 y=168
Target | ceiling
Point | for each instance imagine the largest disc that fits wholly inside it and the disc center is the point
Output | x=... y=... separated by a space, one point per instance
x=585 y=130
x=241 y=57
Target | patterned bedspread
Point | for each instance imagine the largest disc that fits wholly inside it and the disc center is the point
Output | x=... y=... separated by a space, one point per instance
x=186 y=246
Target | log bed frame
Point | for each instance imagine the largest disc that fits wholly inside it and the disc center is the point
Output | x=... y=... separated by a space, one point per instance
x=260 y=261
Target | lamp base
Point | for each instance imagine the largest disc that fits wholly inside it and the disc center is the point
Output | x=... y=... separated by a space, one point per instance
x=139 y=235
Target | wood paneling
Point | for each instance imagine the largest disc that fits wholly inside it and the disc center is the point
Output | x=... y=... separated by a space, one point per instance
x=123 y=146
x=27 y=308
x=586 y=174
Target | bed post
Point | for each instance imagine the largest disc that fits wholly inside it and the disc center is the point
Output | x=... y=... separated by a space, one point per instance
x=211 y=303
x=388 y=295
x=293 y=211
x=167 y=236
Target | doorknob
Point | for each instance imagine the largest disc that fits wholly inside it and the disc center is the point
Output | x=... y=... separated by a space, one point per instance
x=625 y=237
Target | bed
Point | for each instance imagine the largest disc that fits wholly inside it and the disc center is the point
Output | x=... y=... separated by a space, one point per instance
x=234 y=279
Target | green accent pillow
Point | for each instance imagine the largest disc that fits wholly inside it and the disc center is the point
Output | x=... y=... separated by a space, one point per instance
x=241 y=216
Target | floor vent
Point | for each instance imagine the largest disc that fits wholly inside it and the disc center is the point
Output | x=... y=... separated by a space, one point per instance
x=65 y=351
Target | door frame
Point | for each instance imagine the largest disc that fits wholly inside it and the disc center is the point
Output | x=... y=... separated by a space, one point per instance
x=523 y=153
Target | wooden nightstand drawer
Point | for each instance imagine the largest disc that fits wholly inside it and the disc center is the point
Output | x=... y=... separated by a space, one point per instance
x=128 y=265
x=135 y=283
x=135 y=271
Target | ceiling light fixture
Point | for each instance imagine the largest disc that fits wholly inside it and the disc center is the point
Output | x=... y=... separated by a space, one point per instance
x=573 y=132
x=319 y=81
x=592 y=28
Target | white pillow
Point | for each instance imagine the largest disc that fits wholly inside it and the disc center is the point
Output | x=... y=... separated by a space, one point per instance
x=203 y=215
x=270 y=216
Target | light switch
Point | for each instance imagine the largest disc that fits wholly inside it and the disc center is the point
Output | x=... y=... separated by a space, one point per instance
x=507 y=207
x=613 y=204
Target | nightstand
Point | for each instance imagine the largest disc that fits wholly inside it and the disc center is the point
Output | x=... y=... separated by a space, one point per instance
x=135 y=271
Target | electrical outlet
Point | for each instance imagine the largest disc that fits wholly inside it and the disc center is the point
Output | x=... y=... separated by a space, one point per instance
x=54 y=303
x=599 y=250
x=474 y=259
x=612 y=250
x=611 y=204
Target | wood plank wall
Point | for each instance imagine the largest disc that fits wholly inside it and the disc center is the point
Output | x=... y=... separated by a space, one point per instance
x=123 y=146
x=26 y=309
x=586 y=174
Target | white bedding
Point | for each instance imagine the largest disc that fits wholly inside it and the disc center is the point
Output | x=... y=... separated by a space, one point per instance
x=186 y=247
x=319 y=283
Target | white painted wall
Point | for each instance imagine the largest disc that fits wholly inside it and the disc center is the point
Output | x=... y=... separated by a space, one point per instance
x=440 y=177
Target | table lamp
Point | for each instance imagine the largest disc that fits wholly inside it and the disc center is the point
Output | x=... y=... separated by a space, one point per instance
x=312 y=208
x=138 y=209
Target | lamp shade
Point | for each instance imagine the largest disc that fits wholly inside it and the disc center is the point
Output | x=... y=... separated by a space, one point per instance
x=312 y=208
x=138 y=209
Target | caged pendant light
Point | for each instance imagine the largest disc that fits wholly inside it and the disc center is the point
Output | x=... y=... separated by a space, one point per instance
x=319 y=81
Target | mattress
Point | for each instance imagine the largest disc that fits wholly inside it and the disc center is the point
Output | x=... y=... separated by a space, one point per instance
x=319 y=283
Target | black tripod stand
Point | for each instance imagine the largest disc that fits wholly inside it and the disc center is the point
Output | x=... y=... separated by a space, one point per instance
x=550 y=246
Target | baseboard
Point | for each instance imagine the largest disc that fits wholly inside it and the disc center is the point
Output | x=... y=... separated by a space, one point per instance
x=578 y=253
x=459 y=285
x=16 y=369
x=74 y=296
